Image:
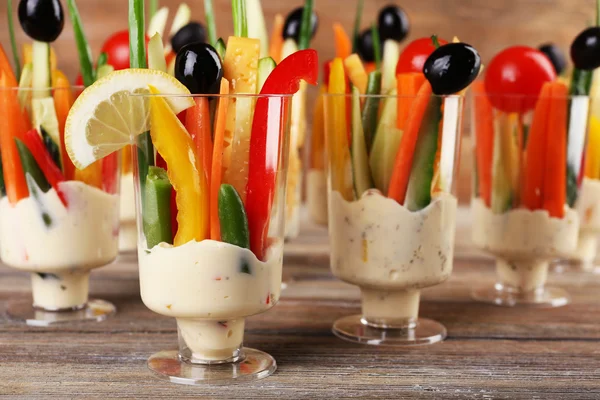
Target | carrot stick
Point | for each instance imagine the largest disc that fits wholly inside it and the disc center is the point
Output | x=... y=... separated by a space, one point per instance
x=343 y=45
x=535 y=153
x=10 y=128
x=555 y=175
x=592 y=156
x=408 y=87
x=277 y=38
x=11 y=79
x=217 y=161
x=370 y=67
x=484 y=140
x=91 y=175
x=63 y=100
x=404 y=157
x=197 y=122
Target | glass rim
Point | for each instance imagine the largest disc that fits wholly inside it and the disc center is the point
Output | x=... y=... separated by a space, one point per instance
x=30 y=89
x=388 y=96
x=218 y=95
x=516 y=96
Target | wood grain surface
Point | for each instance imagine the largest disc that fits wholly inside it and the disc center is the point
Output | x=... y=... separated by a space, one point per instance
x=490 y=353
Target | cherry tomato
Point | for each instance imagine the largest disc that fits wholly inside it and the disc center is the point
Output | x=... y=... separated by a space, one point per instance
x=116 y=48
x=413 y=58
x=514 y=78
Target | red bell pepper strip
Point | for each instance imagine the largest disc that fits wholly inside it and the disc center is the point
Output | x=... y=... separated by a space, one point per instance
x=265 y=141
x=326 y=72
x=53 y=174
x=110 y=165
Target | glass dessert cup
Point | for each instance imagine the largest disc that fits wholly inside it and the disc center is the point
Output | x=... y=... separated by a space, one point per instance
x=56 y=222
x=128 y=229
x=316 y=177
x=523 y=218
x=209 y=285
x=390 y=249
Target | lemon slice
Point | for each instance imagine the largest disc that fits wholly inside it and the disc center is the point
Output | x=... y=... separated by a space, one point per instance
x=108 y=115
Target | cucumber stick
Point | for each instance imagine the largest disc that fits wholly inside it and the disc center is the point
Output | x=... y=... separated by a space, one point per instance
x=158 y=22
x=501 y=200
x=220 y=47
x=44 y=118
x=371 y=110
x=358 y=153
x=157 y=208
x=391 y=54
x=289 y=48
x=156 y=54
x=24 y=86
x=232 y=218
x=181 y=19
x=385 y=145
x=265 y=67
x=41 y=80
x=418 y=194
x=31 y=168
x=257 y=28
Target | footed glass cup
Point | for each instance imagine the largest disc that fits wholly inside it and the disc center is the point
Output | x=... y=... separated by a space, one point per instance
x=391 y=248
x=526 y=190
x=56 y=222
x=186 y=213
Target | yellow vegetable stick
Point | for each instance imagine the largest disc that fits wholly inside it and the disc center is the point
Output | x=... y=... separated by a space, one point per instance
x=176 y=147
x=592 y=158
x=356 y=72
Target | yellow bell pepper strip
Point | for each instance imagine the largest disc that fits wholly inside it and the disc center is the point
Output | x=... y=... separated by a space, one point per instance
x=337 y=132
x=317 y=152
x=265 y=145
x=176 y=147
x=356 y=72
x=91 y=175
x=592 y=158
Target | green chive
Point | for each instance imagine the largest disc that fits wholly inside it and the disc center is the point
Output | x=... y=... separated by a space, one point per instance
x=13 y=41
x=211 y=23
x=153 y=7
x=83 y=48
x=376 y=45
x=240 y=24
x=137 y=35
x=306 y=27
x=356 y=32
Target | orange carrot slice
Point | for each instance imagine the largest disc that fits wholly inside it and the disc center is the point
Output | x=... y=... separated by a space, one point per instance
x=277 y=38
x=5 y=68
x=404 y=157
x=63 y=100
x=535 y=152
x=343 y=45
x=217 y=161
x=408 y=87
x=197 y=122
x=484 y=140
x=555 y=173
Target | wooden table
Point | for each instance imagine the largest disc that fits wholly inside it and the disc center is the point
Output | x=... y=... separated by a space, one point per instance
x=490 y=352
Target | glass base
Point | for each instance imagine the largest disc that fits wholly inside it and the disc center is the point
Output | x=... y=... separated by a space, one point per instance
x=500 y=295
x=254 y=365
x=354 y=329
x=94 y=311
x=565 y=266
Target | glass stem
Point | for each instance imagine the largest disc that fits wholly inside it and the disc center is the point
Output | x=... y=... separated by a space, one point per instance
x=390 y=309
x=210 y=342
x=523 y=275
x=60 y=292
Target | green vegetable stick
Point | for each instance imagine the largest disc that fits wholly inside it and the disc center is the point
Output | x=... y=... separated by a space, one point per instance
x=371 y=108
x=31 y=167
x=240 y=24
x=157 y=208
x=376 y=45
x=153 y=7
x=211 y=23
x=356 y=31
x=306 y=26
x=232 y=216
x=220 y=47
x=102 y=60
x=83 y=48
x=13 y=41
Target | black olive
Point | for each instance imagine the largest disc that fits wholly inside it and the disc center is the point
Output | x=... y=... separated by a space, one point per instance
x=364 y=47
x=393 y=23
x=191 y=33
x=452 y=67
x=293 y=22
x=199 y=67
x=555 y=55
x=585 y=50
x=42 y=20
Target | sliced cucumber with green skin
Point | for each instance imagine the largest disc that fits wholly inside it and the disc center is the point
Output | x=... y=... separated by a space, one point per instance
x=52 y=148
x=24 y=86
x=502 y=197
x=31 y=168
x=41 y=80
x=289 y=47
x=44 y=119
x=220 y=47
x=265 y=67
x=418 y=194
x=156 y=54
x=391 y=54
x=385 y=145
x=157 y=209
x=104 y=70
x=34 y=191
x=232 y=217
x=358 y=153
x=371 y=109
x=257 y=28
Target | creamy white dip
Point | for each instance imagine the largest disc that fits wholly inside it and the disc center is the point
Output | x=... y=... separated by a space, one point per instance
x=316 y=195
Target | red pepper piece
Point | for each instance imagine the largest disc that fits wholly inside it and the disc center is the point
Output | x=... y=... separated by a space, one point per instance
x=53 y=174
x=109 y=173
x=265 y=142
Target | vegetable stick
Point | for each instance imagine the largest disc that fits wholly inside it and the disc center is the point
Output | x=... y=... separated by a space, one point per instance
x=63 y=100
x=356 y=72
x=343 y=44
x=197 y=123
x=484 y=140
x=317 y=153
x=535 y=153
x=592 y=157
x=404 y=158
x=11 y=79
x=436 y=182
x=277 y=38
x=555 y=176
x=91 y=175
x=408 y=87
x=217 y=161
